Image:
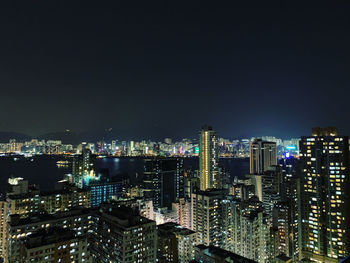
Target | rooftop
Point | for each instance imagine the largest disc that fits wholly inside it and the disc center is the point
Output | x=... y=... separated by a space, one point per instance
x=49 y=236
x=16 y=221
x=171 y=227
x=124 y=216
x=219 y=253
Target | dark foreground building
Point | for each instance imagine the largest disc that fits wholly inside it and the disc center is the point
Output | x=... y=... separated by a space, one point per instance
x=213 y=254
x=163 y=181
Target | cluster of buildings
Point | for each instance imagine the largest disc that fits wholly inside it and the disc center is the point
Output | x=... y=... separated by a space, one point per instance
x=185 y=147
x=35 y=146
x=290 y=209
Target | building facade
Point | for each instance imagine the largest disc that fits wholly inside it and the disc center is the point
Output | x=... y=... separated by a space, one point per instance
x=263 y=154
x=208 y=158
x=163 y=181
x=324 y=158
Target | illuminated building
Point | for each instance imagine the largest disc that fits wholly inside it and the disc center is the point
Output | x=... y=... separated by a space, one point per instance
x=212 y=218
x=268 y=186
x=18 y=185
x=324 y=158
x=191 y=182
x=163 y=181
x=83 y=168
x=208 y=158
x=3 y=230
x=168 y=140
x=254 y=233
x=122 y=236
x=242 y=191
x=262 y=156
x=286 y=217
x=175 y=243
x=282 y=223
x=134 y=191
x=50 y=202
x=15 y=146
x=103 y=190
x=55 y=245
x=183 y=210
x=146 y=208
x=205 y=216
x=24 y=200
x=79 y=220
x=163 y=215
x=131 y=148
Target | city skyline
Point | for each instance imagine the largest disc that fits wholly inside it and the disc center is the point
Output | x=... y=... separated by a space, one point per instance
x=170 y=132
x=109 y=135
x=281 y=207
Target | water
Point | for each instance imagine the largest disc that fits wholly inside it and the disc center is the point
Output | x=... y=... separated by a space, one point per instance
x=42 y=169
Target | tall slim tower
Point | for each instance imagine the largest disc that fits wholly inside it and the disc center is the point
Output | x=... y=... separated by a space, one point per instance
x=262 y=156
x=324 y=159
x=208 y=158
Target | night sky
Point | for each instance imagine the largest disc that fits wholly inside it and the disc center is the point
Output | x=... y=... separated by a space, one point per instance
x=166 y=68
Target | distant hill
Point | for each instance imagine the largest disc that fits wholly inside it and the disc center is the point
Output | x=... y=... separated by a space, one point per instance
x=6 y=136
x=77 y=138
x=68 y=137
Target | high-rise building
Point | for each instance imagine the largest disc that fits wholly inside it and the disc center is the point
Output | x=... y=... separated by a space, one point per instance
x=121 y=235
x=79 y=220
x=183 y=211
x=114 y=233
x=254 y=232
x=33 y=201
x=262 y=155
x=324 y=159
x=175 y=243
x=3 y=231
x=268 y=186
x=191 y=182
x=282 y=223
x=83 y=167
x=163 y=181
x=286 y=216
x=211 y=217
x=208 y=158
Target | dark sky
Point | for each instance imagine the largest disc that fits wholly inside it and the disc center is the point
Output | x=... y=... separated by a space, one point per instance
x=168 y=67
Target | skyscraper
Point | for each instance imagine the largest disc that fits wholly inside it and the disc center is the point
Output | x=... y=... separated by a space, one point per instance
x=212 y=217
x=324 y=158
x=121 y=235
x=83 y=167
x=3 y=230
x=163 y=181
x=208 y=158
x=268 y=186
x=262 y=156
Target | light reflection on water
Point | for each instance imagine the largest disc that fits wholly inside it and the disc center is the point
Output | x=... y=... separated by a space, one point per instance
x=43 y=170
